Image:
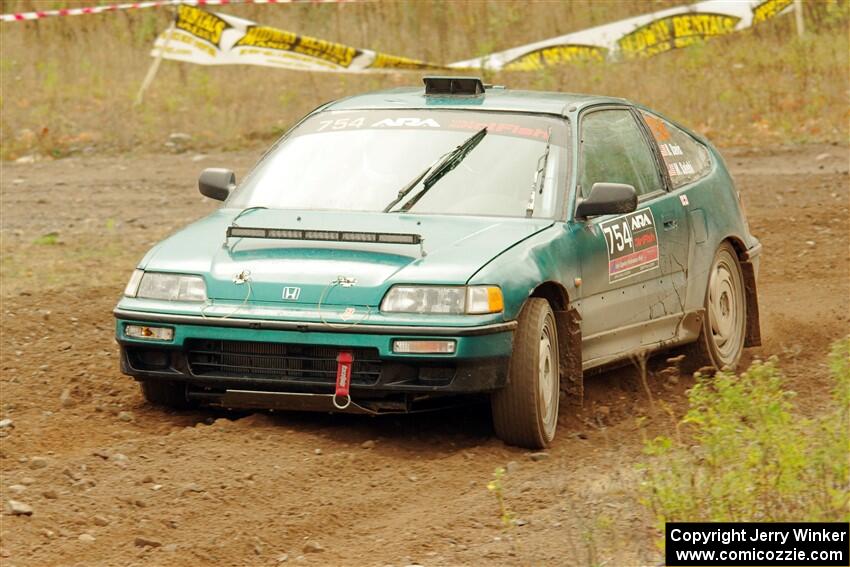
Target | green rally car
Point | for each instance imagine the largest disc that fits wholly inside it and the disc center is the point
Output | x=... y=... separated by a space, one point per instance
x=397 y=250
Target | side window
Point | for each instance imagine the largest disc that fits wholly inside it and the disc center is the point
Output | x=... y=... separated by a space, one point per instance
x=686 y=159
x=614 y=150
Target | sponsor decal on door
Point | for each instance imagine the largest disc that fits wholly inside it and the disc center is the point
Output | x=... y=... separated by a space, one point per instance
x=632 y=244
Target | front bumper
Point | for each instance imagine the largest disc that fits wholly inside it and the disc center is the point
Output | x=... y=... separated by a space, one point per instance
x=213 y=356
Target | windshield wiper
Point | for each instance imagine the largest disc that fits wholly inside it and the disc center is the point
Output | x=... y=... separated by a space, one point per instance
x=539 y=176
x=436 y=171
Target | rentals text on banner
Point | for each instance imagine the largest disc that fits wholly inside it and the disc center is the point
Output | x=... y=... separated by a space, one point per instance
x=641 y=36
x=209 y=38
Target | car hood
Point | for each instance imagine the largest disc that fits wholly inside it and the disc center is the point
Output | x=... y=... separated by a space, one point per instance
x=455 y=247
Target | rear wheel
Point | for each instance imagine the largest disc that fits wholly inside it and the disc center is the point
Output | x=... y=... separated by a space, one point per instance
x=721 y=341
x=525 y=412
x=163 y=393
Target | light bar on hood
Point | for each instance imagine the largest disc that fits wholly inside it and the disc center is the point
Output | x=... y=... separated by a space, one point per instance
x=327 y=235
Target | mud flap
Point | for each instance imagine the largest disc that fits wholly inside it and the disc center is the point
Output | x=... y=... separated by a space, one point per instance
x=569 y=345
x=753 y=330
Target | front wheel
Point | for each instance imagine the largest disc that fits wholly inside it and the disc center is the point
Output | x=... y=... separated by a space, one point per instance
x=721 y=341
x=525 y=412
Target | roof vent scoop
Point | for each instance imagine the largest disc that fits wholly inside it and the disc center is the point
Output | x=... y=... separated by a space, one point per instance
x=469 y=86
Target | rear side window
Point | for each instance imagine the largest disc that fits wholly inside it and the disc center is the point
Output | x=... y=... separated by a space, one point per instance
x=686 y=159
x=613 y=150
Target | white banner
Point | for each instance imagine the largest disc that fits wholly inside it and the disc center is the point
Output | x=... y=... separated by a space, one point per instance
x=208 y=38
x=641 y=36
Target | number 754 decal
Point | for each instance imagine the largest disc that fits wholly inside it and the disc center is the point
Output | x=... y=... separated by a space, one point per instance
x=632 y=244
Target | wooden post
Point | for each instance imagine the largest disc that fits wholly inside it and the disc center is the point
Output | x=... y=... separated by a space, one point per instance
x=798 y=16
x=152 y=70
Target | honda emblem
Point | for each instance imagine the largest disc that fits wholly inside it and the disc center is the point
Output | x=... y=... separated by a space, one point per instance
x=291 y=293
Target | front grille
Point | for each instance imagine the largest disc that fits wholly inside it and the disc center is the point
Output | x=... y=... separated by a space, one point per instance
x=307 y=363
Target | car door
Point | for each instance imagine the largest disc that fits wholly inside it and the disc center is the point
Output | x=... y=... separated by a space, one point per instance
x=632 y=265
x=688 y=164
x=681 y=161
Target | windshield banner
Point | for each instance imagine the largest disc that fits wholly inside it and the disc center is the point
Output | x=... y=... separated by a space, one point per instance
x=209 y=38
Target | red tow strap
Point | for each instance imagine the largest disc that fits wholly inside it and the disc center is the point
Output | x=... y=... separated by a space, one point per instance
x=344 y=360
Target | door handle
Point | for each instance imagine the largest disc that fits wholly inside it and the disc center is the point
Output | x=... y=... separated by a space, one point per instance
x=671 y=224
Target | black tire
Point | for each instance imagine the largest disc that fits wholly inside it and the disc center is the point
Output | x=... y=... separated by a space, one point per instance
x=525 y=412
x=724 y=324
x=164 y=393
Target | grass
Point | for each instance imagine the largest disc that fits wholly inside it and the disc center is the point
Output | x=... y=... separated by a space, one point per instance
x=49 y=239
x=754 y=87
x=495 y=486
x=49 y=264
x=743 y=453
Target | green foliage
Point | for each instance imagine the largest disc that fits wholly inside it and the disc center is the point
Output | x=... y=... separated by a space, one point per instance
x=839 y=364
x=147 y=31
x=743 y=453
x=48 y=73
x=495 y=486
x=49 y=239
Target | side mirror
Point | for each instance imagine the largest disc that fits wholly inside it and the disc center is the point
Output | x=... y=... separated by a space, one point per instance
x=608 y=199
x=216 y=183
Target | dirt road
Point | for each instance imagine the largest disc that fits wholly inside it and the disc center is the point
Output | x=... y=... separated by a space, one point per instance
x=114 y=481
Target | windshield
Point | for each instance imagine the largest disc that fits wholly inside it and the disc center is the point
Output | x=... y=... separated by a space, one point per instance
x=360 y=160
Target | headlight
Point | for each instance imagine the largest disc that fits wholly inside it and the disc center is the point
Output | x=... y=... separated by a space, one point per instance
x=171 y=287
x=450 y=300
